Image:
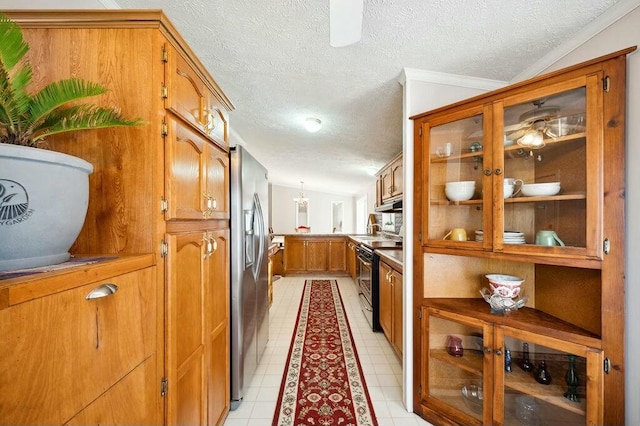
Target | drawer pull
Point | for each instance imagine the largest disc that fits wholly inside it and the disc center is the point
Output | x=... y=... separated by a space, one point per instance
x=102 y=290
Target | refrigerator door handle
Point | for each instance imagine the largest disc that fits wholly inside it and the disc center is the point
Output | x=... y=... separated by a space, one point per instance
x=259 y=232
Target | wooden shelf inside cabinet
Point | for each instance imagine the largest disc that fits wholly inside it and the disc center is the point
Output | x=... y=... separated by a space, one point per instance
x=477 y=155
x=471 y=361
x=527 y=319
x=553 y=393
x=560 y=197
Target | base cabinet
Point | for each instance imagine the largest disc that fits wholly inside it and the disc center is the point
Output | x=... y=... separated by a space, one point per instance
x=198 y=327
x=391 y=306
x=479 y=371
x=315 y=254
x=109 y=324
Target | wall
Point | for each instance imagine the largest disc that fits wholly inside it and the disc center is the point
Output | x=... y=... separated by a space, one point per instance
x=282 y=210
x=622 y=34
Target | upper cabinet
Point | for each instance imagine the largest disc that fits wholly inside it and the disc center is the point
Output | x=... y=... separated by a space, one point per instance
x=521 y=173
x=390 y=184
x=189 y=97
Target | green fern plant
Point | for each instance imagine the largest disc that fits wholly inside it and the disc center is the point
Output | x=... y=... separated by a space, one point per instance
x=27 y=119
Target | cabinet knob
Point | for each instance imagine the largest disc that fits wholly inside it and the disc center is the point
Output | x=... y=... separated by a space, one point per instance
x=487 y=350
x=487 y=172
x=498 y=172
x=498 y=352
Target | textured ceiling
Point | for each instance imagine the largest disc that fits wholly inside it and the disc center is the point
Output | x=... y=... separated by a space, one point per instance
x=274 y=61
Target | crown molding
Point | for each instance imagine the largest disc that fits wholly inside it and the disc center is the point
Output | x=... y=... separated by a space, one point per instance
x=608 y=18
x=414 y=74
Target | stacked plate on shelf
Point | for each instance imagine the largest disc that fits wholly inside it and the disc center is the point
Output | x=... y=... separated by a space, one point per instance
x=510 y=237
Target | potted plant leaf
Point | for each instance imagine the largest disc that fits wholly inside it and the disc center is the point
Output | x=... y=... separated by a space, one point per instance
x=43 y=194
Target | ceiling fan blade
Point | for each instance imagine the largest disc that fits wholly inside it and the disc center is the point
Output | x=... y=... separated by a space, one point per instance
x=345 y=22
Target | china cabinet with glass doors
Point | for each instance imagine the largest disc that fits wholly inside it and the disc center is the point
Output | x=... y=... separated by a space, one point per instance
x=530 y=178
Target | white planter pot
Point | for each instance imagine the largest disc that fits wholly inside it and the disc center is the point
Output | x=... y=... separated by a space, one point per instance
x=44 y=197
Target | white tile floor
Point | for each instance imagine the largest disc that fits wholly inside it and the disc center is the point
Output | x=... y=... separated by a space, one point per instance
x=382 y=369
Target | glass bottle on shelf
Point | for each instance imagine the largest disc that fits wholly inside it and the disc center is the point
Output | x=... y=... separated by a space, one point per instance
x=571 y=378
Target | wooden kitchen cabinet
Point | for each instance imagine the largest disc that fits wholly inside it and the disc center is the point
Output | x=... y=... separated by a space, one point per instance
x=390 y=180
x=197 y=184
x=337 y=255
x=452 y=376
x=315 y=254
x=352 y=259
x=106 y=315
x=154 y=186
x=576 y=119
x=391 y=305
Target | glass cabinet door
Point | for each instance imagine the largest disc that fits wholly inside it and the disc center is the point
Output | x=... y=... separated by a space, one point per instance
x=456 y=367
x=454 y=172
x=545 y=384
x=544 y=168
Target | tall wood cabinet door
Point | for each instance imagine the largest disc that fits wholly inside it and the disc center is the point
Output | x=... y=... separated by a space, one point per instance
x=295 y=255
x=317 y=256
x=186 y=159
x=396 y=278
x=185 y=331
x=217 y=309
x=337 y=255
x=186 y=92
x=386 y=301
x=217 y=193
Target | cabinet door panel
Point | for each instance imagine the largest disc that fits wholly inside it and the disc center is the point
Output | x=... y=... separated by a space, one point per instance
x=217 y=195
x=337 y=255
x=218 y=395
x=317 y=260
x=216 y=123
x=74 y=348
x=386 y=301
x=186 y=91
x=295 y=255
x=397 y=311
x=185 y=162
x=136 y=397
x=186 y=328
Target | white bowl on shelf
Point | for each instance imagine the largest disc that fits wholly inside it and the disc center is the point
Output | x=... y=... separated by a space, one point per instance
x=460 y=190
x=540 y=189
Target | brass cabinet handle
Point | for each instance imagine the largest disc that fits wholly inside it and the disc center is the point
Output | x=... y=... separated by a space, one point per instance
x=102 y=290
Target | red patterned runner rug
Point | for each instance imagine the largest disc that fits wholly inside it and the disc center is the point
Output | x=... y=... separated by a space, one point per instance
x=323 y=383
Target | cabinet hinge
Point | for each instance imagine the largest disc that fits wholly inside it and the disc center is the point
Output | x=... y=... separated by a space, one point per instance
x=606 y=365
x=419 y=236
x=164 y=205
x=165 y=55
x=420 y=389
x=606 y=246
x=164 y=249
x=420 y=314
x=164 y=386
x=164 y=92
x=420 y=131
x=164 y=129
x=606 y=83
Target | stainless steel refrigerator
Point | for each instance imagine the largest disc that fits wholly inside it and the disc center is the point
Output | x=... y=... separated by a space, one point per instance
x=249 y=269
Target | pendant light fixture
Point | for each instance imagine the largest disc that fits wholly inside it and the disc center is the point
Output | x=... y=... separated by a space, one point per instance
x=301 y=200
x=312 y=124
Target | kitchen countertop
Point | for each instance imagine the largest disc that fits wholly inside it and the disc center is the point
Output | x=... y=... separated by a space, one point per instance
x=391 y=257
x=377 y=241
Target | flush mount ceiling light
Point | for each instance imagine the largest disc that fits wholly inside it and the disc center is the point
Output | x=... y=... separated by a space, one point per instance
x=345 y=22
x=312 y=124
